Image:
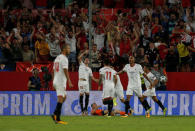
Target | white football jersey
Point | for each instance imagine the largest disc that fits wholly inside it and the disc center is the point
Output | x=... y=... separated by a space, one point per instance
x=151 y=77
x=84 y=71
x=134 y=74
x=108 y=75
x=60 y=63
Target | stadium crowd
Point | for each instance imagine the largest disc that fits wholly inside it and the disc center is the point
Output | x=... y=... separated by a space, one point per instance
x=158 y=32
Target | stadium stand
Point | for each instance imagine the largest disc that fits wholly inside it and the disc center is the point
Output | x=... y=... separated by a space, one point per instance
x=161 y=31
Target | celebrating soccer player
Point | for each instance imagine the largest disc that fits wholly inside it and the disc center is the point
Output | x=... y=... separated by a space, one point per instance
x=109 y=79
x=150 y=92
x=61 y=76
x=133 y=71
x=84 y=73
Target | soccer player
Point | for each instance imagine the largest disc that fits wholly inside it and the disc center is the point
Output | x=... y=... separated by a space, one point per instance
x=119 y=92
x=133 y=71
x=150 y=92
x=109 y=79
x=84 y=73
x=99 y=112
x=61 y=76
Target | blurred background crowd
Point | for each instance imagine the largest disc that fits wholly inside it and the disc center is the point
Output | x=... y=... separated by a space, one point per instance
x=158 y=32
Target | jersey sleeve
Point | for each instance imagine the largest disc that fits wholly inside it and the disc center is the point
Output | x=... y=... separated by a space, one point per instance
x=81 y=63
x=140 y=69
x=153 y=77
x=101 y=72
x=114 y=72
x=65 y=63
x=90 y=73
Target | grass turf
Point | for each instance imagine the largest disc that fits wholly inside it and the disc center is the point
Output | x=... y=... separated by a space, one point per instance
x=98 y=123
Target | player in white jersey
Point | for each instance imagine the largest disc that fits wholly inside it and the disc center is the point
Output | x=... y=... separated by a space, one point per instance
x=85 y=73
x=150 y=91
x=60 y=77
x=109 y=79
x=119 y=92
x=134 y=71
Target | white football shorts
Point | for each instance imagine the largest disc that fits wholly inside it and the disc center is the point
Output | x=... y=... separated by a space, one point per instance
x=150 y=92
x=60 y=89
x=83 y=87
x=108 y=91
x=131 y=90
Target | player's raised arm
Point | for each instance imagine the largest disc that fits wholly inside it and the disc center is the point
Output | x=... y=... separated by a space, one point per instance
x=81 y=55
x=68 y=78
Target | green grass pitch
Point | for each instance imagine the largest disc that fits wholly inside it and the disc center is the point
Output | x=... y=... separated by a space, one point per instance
x=98 y=123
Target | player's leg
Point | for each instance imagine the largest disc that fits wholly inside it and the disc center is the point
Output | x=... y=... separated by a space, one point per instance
x=86 y=103
x=129 y=93
x=138 y=92
x=57 y=111
x=110 y=106
x=81 y=91
x=108 y=95
x=122 y=113
x=109 y=102
x=155 y=99
x=86 y=98
x=61 y=94
x=81 y=103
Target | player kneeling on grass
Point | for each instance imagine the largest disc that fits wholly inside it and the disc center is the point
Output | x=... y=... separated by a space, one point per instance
x=109 y=79
x=84 y=73
x=150 y=90
x=99 y=112
x=61 y=76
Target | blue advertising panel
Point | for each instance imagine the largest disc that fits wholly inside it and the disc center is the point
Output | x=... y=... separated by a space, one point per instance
x=44 y=102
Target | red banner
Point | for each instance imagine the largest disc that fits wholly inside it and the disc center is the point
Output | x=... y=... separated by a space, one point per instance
x=28 y=67
x=17 y=81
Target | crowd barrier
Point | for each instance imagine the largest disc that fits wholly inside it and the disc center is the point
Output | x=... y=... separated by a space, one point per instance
x=43 y=103
x=17 y=81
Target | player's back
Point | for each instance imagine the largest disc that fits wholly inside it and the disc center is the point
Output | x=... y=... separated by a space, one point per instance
x=60 y=63
x=108 y=75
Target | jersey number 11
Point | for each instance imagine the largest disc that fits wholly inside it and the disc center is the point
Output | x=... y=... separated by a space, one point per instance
x=108 y=75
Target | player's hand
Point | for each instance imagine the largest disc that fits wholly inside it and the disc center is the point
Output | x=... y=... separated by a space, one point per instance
x=70 y=84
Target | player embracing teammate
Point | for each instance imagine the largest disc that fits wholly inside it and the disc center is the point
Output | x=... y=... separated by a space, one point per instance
x=134 y=71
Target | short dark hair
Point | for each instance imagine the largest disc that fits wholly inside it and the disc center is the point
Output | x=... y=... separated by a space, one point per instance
x=106 y=62
x=148 y=66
